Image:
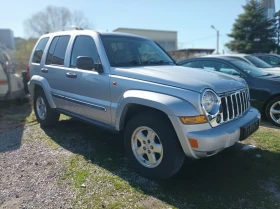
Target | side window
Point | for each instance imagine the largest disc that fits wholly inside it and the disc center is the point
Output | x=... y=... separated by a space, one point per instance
x=207 y=65
x=84 y=46
x=225 y=68
x=57 y=50
x=192 y=64
x=51 y=50
x=271 y=60
x=38 y=53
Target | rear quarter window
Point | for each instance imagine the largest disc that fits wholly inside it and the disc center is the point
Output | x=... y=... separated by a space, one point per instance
x=40 y=47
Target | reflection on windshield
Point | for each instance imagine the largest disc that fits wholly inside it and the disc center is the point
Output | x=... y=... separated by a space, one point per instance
x=258 y=62
x=132 y=51
x=252 y=70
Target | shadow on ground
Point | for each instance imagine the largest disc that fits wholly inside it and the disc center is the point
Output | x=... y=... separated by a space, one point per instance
x=231 y=179
x=13 y=116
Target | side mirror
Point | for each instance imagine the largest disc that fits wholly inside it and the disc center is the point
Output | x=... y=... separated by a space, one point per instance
x=86 y=63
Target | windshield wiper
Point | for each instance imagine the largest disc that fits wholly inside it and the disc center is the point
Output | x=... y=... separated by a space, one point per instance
x=268 y=74
x=160 y=62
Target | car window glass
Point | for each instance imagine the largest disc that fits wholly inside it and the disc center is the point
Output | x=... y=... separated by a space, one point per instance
x=257 y=62
x=51 y=50
x=84 y=46
x=250 y=69
x=207 y=65
x=271 y=60
x=57 y=50
x=192 y=64
x=60 y=50
x=38 y=53
x=133 y=51
x=225 y=68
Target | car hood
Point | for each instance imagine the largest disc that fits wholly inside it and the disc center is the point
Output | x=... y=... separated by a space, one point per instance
x=183 y=77
x=274 y=70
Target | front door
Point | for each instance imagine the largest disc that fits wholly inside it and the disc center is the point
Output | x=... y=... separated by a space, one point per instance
x=87 y=91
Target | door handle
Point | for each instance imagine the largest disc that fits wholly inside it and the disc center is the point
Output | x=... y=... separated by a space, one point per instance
x=71 y=75
x=44 y=70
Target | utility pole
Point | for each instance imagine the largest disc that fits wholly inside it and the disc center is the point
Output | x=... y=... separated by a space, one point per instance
x=218 y=35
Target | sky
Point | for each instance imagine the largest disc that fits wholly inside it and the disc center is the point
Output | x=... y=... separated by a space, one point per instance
x=192 y=19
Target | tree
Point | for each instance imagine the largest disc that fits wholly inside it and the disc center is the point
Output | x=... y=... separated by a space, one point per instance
x=54 y=18
x=252 y=32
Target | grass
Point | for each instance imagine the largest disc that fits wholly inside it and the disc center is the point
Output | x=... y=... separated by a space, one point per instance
x=99 y=173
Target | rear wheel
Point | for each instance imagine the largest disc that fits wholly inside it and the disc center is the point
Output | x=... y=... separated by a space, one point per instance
x=45 y=115
x=152 y=146
x=272 y=111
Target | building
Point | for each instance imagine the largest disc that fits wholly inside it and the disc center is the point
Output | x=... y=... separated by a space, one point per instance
x=269 y=6
x=7 y=38
x=166 y=39
x=188 y=53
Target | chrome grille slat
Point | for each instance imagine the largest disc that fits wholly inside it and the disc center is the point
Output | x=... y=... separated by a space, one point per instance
x=234 y=105
x=237 y=104
x=227 y=109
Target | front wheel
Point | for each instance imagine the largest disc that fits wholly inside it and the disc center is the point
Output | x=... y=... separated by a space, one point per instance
x=45 y=115
x=272 y=111
x=152 y=146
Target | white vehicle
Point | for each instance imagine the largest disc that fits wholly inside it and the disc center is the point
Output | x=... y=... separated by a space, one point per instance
x=4 y=87
x=11 y=85
x=253 y=60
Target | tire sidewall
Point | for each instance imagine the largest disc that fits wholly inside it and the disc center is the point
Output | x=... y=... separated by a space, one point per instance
x=172 y=151
x=267 y=110
x=51 y=117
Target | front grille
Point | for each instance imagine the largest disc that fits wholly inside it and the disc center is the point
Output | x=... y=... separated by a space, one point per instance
x=234 y=105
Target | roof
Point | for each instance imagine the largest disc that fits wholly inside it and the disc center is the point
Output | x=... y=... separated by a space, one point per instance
x=145 y=30
x=194 y=49
x=65 y=32
x=207 y=57
x=222 y=55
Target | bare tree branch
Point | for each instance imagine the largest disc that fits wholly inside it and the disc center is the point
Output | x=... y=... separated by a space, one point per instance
x=54 y=18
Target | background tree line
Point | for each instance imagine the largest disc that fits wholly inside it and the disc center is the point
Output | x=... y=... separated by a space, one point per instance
x=252 y=32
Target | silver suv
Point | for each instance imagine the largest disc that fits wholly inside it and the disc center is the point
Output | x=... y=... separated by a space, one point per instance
x=129 y=84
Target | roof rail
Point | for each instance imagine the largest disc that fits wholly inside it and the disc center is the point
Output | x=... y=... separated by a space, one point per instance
x=73 y=27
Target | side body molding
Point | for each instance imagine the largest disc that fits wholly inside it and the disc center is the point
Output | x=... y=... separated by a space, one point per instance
x=170 y=105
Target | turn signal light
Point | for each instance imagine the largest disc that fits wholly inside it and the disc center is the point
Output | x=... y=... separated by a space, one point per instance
x=193 y=143
x=188 y=120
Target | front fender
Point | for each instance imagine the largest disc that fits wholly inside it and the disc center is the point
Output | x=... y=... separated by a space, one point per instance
x=42 y=82
x=170 y=105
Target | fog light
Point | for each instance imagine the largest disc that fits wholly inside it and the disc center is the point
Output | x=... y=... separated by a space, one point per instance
x=219 y=118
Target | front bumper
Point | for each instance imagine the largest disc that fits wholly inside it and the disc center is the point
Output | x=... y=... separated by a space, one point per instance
x=212 y=140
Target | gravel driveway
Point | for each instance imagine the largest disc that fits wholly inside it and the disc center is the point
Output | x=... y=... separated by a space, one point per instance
x=29 y=168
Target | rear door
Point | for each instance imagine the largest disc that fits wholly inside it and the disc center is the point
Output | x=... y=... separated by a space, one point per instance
x=54 y=70
x=88 y=92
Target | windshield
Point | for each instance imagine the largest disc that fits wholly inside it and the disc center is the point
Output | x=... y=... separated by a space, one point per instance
x=128 y=51
x=258 y=62
x=250 y=69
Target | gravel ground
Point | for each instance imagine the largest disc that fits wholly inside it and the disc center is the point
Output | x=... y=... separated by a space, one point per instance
x=30 y=170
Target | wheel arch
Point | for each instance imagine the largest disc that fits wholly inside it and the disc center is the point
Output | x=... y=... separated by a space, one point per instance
x=38 y=82
x=136 y=101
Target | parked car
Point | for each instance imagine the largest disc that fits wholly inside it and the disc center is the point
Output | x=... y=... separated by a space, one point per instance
x=253 y=60
x=11 y=86
x=264 y=87
x=271 y=59
x=126 y=83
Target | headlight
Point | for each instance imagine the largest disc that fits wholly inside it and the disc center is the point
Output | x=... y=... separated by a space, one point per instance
x=210 y=102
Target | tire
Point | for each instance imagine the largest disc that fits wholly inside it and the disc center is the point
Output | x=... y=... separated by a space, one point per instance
x=274 y=104
x=51 y=117
x=172 y=156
